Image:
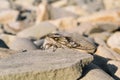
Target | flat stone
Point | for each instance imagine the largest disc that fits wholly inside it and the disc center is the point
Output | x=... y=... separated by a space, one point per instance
x=93 y=72
x=5 y=4
x=22 y=44
x=111 y=4
x=76 y=10
x=37 y=30
x=89 y=5
x=56 y=13
x=114 y=67
x=63 y=64
x=101 y=16
x=103 y=35
x=4 y=53
x=113 y=42
x=42 y=13
x=106 y=52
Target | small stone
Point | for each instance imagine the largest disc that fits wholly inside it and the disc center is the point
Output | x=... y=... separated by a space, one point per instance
x=7 y=38
x=22 y=44
x=38 y=30
x=59 y=3
x=89 y=5
x=103 y=35
x=56 y=13
x=39 y=43
x=113 y=42
x=102 y=16
x=67 y=23
x=106 y=52
x=111 y=4
x=5 y=4
x=76 y=9
x=63 y=64
x=8 y=16
x=93 y=72
x=114 y=67
x=42 y=13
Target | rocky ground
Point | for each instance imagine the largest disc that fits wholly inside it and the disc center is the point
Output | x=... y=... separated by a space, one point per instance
x=29 y=52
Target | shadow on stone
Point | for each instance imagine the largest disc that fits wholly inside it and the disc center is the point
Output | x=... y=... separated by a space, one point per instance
x=3 y=44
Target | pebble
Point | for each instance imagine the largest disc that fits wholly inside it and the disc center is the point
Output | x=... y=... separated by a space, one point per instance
x=113 y=42
x=95 y=73
x=38 y=30
x=22 y=44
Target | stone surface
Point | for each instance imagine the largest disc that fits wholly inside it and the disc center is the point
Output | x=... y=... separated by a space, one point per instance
x=113 y=42
x=103 y=35
x=56 y=13
x=76 y=9
x=5 y=53
x=93 y=72
x=37 y=30
x=102 y=16
x=89 y=5
x=114 y=67
x=63 y=64
x=106 y=52
x=5 y=4
x=59 y=3
x=8 y=16
x=111 y=4
x=22 y=44
x=67 y=23
x=42 y=13
x=7 y=38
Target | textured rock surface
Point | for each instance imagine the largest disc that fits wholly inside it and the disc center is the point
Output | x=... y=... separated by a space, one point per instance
x=106 y=52
x=95 y=73
x=4 y=53
x=113 y=42
x=22 y=44
x=37 y=30
x=63 y=64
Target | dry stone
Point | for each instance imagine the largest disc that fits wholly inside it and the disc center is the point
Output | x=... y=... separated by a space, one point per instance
x=113 y=42
x=37 y=30
x=63 y=64
x=93 y=72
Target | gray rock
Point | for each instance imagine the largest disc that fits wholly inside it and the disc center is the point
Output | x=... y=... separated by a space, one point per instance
x=93 y=72
x=63 y=64
x=22 y=44
x=37 y=30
